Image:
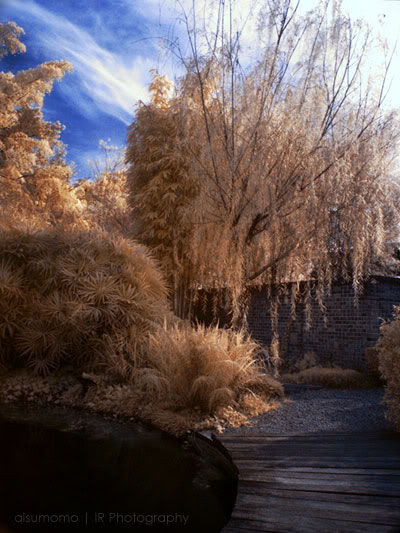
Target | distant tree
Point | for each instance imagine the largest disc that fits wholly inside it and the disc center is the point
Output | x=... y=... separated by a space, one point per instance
x=287 y=157
x=34 y=177
x=104 y=198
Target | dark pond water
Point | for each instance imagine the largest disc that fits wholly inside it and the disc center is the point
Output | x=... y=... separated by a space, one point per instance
x=80 y=472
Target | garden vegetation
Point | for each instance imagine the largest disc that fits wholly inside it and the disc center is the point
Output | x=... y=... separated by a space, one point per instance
x=243 y=173
x=85 y=303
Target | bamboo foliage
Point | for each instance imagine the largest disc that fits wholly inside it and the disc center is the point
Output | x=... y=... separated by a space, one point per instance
x=160 y=185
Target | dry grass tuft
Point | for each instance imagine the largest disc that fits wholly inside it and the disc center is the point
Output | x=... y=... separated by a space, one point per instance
x=345 y=378
x=209 y=371
x=208 y=368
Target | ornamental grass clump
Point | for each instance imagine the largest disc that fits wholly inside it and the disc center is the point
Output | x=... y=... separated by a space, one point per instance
x=210 y=371
x=74 y=297
x=388 y=347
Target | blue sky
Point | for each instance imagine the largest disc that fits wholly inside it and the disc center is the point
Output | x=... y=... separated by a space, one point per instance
x=112 y=45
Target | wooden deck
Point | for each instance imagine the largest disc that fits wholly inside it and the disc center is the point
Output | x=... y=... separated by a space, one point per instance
x=318 y=483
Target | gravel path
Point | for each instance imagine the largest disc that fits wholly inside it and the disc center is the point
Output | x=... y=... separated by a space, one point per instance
x=312 y=410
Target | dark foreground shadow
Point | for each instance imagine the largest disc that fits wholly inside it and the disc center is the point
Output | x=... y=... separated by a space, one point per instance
x=123 y=480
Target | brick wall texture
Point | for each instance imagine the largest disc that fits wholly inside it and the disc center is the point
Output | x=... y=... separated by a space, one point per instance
x=345 y=334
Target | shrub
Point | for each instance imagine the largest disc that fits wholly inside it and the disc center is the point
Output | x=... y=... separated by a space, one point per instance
x=388 y=347
x=374 y=374
x=69 y=296
x=192 y=378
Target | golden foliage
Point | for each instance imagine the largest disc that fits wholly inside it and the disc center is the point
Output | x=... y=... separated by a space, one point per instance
x=95 y=302
x=388 y=348
x=9 y=39
x=208 y=369
x=33 y=174
x=103 y=200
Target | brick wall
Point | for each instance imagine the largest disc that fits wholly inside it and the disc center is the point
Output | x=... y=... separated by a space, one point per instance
x=349 y=329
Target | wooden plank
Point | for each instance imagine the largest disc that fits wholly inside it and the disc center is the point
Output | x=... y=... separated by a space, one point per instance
x=298 y=524
x=342 y=487
x=359 y=439
x=263 y=452
x=363 y=499
x=327 y=449
x=363 y=446
x=326 y=462
x=264 y=505
x=354 y=456
x=287 y=520
x=317 y=483
x=254 y=474
x=244 y=464
x=362 y=477
x=376 y=435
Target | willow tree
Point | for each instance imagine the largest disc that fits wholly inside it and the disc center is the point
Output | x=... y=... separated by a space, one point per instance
x=34 y=177
x=290 y=152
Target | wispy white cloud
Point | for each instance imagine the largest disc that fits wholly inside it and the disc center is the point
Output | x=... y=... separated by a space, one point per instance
x=103 y=80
